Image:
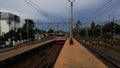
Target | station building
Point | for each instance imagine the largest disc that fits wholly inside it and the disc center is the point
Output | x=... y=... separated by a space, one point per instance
x=8 y=22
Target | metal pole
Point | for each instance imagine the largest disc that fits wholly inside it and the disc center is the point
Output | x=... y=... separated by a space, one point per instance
x=41 y=31
x=113 y=28
x=71 y=26
x=101 y=31
x=71 y=19
x=57 y=26
x=86 y=32
x=87 y=29
x=0 y=23
x=27 y=30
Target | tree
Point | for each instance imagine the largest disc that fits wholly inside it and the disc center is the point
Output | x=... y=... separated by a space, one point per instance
x=39 y=31
x=117 y=29
x=50 y=31
x=93 y=25
x=28 y=28
x=16 y=19
x=78 y=25
x=10 y=34
x=77 y=28
x=93 y=28
x=20 y=34
x=108 y=28
x=29 y=23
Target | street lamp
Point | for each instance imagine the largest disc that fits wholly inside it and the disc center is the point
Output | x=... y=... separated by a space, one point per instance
x=71 y=21
x=71 y=18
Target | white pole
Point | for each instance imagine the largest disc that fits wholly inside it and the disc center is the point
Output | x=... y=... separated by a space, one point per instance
x=71 y=18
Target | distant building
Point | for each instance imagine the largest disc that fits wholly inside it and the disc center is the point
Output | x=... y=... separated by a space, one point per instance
x=8 y=22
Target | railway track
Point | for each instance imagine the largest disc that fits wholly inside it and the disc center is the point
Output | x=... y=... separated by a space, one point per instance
x=42 y=57
x=106 y=54
x=110 y=57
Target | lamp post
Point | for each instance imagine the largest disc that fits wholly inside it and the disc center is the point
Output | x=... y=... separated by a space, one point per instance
x=71 y=21
x=71 y=18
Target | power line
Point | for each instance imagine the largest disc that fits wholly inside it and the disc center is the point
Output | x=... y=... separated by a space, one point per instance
x=39 y=22
x=55 y=24
x=45 y=14
x=116 y=3
x=31 y=5
x=95 y=12
x=38 y=9
x=107 y=10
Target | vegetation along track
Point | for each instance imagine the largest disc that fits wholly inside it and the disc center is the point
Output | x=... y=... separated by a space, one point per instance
x=105 y=53
x=42 y=57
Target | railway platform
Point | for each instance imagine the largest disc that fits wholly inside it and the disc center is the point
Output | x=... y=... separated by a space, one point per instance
x=76 y=56
x=12 y=53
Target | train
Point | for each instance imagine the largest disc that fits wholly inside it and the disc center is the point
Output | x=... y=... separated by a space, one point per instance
x=60 y=38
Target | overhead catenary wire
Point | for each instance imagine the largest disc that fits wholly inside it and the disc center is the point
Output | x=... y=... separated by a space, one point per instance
x=43 y=12
x=117 y=3
x=48 y=16
x=99 y=10
x=38 y=9
x=50 y=25
x=96 y=12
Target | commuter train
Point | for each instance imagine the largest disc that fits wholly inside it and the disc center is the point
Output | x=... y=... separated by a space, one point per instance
x=60 y=38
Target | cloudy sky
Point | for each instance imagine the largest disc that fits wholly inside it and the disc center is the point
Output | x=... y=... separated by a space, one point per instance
x=59 y=10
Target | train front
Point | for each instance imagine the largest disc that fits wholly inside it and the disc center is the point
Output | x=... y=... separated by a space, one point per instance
x=60 y=38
